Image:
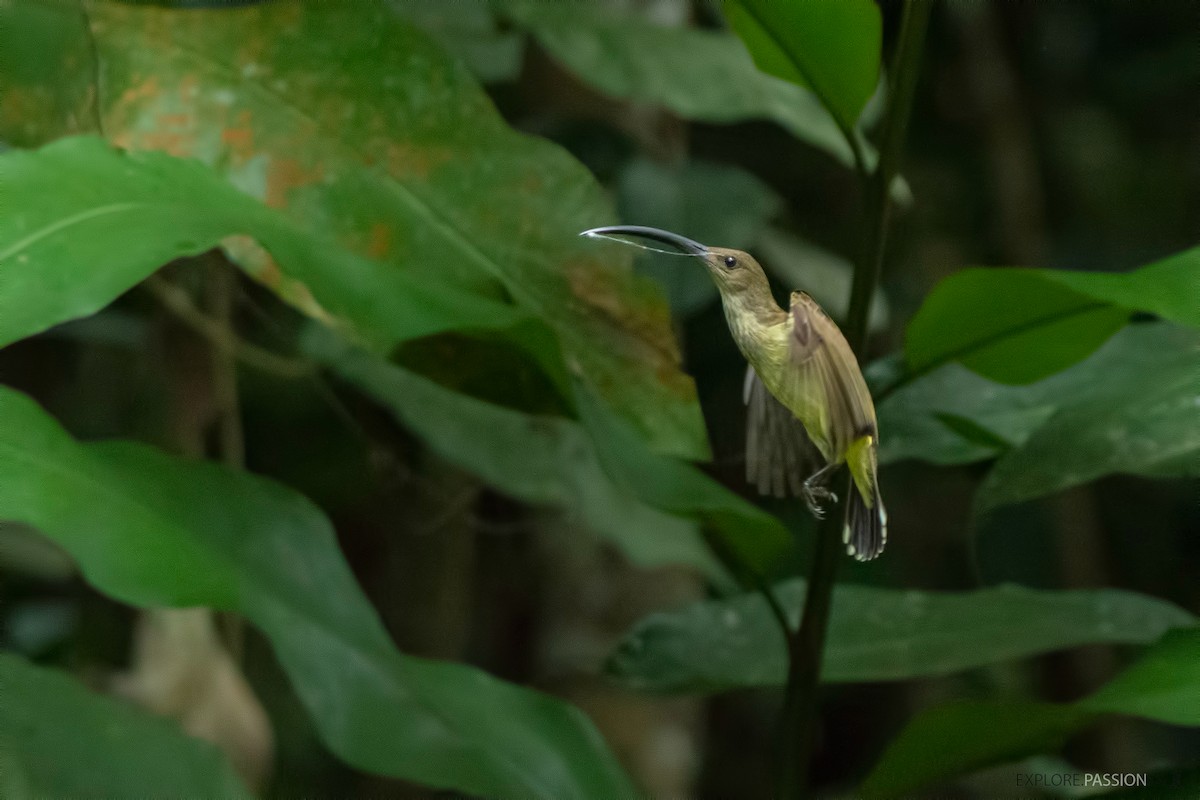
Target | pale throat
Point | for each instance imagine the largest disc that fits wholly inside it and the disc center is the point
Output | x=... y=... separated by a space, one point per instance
x=758 y=326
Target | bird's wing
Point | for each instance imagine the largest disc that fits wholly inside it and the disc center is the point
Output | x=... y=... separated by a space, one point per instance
x=825 y=378
x=779 y=454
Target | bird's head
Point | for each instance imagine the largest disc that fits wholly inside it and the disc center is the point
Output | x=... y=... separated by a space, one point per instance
x=734 y=271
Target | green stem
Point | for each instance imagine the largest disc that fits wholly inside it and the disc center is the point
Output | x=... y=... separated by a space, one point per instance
x=806 y=645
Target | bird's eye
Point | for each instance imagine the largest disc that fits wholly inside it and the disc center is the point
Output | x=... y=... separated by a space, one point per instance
x=730 y=262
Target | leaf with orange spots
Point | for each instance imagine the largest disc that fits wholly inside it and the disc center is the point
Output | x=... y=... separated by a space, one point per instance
x=353 y=123
x=95 y=222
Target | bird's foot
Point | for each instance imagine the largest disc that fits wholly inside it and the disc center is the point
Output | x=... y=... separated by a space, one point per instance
x=815 y=497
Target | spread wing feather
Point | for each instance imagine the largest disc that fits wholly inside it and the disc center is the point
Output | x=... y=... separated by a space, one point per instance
x=779 y=454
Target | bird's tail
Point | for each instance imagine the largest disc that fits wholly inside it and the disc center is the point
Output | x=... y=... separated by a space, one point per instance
x=865 y=533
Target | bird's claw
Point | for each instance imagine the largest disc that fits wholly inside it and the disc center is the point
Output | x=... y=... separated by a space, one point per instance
x=815 y=496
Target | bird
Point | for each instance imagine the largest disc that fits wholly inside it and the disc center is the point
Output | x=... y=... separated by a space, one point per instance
x=808 y=407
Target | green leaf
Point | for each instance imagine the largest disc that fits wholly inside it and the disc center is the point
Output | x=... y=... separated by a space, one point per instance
x=1137 y=358
x=951 y=740
x=1146 y=427
x=57 y=739
x=714 y=203
x=357 y=125
x=958 y=738
x=756 y=538
x=1164 y=685
x=95 y=222
x=881 y=634
x=700 y=75
x=833 y=47
x=1020 y=325
x=539 y=459
x=468 y=31
x=973 y=432
x=48 y=88
x=153 y=530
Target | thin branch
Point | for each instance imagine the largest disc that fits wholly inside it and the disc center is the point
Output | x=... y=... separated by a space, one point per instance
x=177 y=301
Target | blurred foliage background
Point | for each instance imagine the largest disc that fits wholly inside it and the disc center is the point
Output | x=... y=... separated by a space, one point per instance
x=372 y=300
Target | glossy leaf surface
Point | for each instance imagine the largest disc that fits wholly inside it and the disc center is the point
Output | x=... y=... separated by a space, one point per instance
x=831 y=46
x=153 y=530
x=881 y=634
x=94 y=222
x=1017 y=326
x=313 y=110
x=537 y=458
x=58 y=739
x=953 y=739
x=701 y=75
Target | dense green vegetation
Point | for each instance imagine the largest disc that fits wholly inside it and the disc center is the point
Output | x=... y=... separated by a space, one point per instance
x=298 y=328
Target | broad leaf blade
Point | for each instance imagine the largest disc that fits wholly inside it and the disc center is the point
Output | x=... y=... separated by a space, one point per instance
x=881 y=634
x=1020 y=325
x=959 y=738
x=48 y=83
x=1148 y=428
x=1163 y=685
x=700 y=75
x=356 y=124
x=1136 y=359
x=95 y=222
x=831 y=46
x=538 y=459
x=754 y=537
x=57 y=739
x=951 y=740
x=150 y=529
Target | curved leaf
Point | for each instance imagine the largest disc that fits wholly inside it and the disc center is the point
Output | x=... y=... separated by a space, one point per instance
x=154 y=530
x=57 y=739
x=48 y=89
x=831 y=46
x=881 y=634
x=1020 y=325
x=953 y=739
x=1148 y=428
x=700 y=75
x=1137 y=358
x=354 y=123
x=539 y=459
x=94 y=222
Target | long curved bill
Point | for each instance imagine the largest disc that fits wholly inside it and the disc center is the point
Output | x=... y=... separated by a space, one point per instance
x=682 y=243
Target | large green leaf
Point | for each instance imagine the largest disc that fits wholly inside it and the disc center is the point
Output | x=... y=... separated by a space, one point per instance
x=1020 y=325
x=356 y=124
x=701 y=75
x=832 y=47
x=47 y=87
x=539 y=459
x=1147 y=428
x=754 y=537
x=94 y=222
x=57 y=739
x=644 y=502
x=951 y=740
x=917 y=420
x=880 y=634
x=149 y=529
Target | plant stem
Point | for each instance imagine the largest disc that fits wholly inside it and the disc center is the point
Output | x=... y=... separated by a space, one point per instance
x=806 y=645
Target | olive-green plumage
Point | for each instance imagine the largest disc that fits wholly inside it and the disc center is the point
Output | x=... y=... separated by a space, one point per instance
x=809 y=410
